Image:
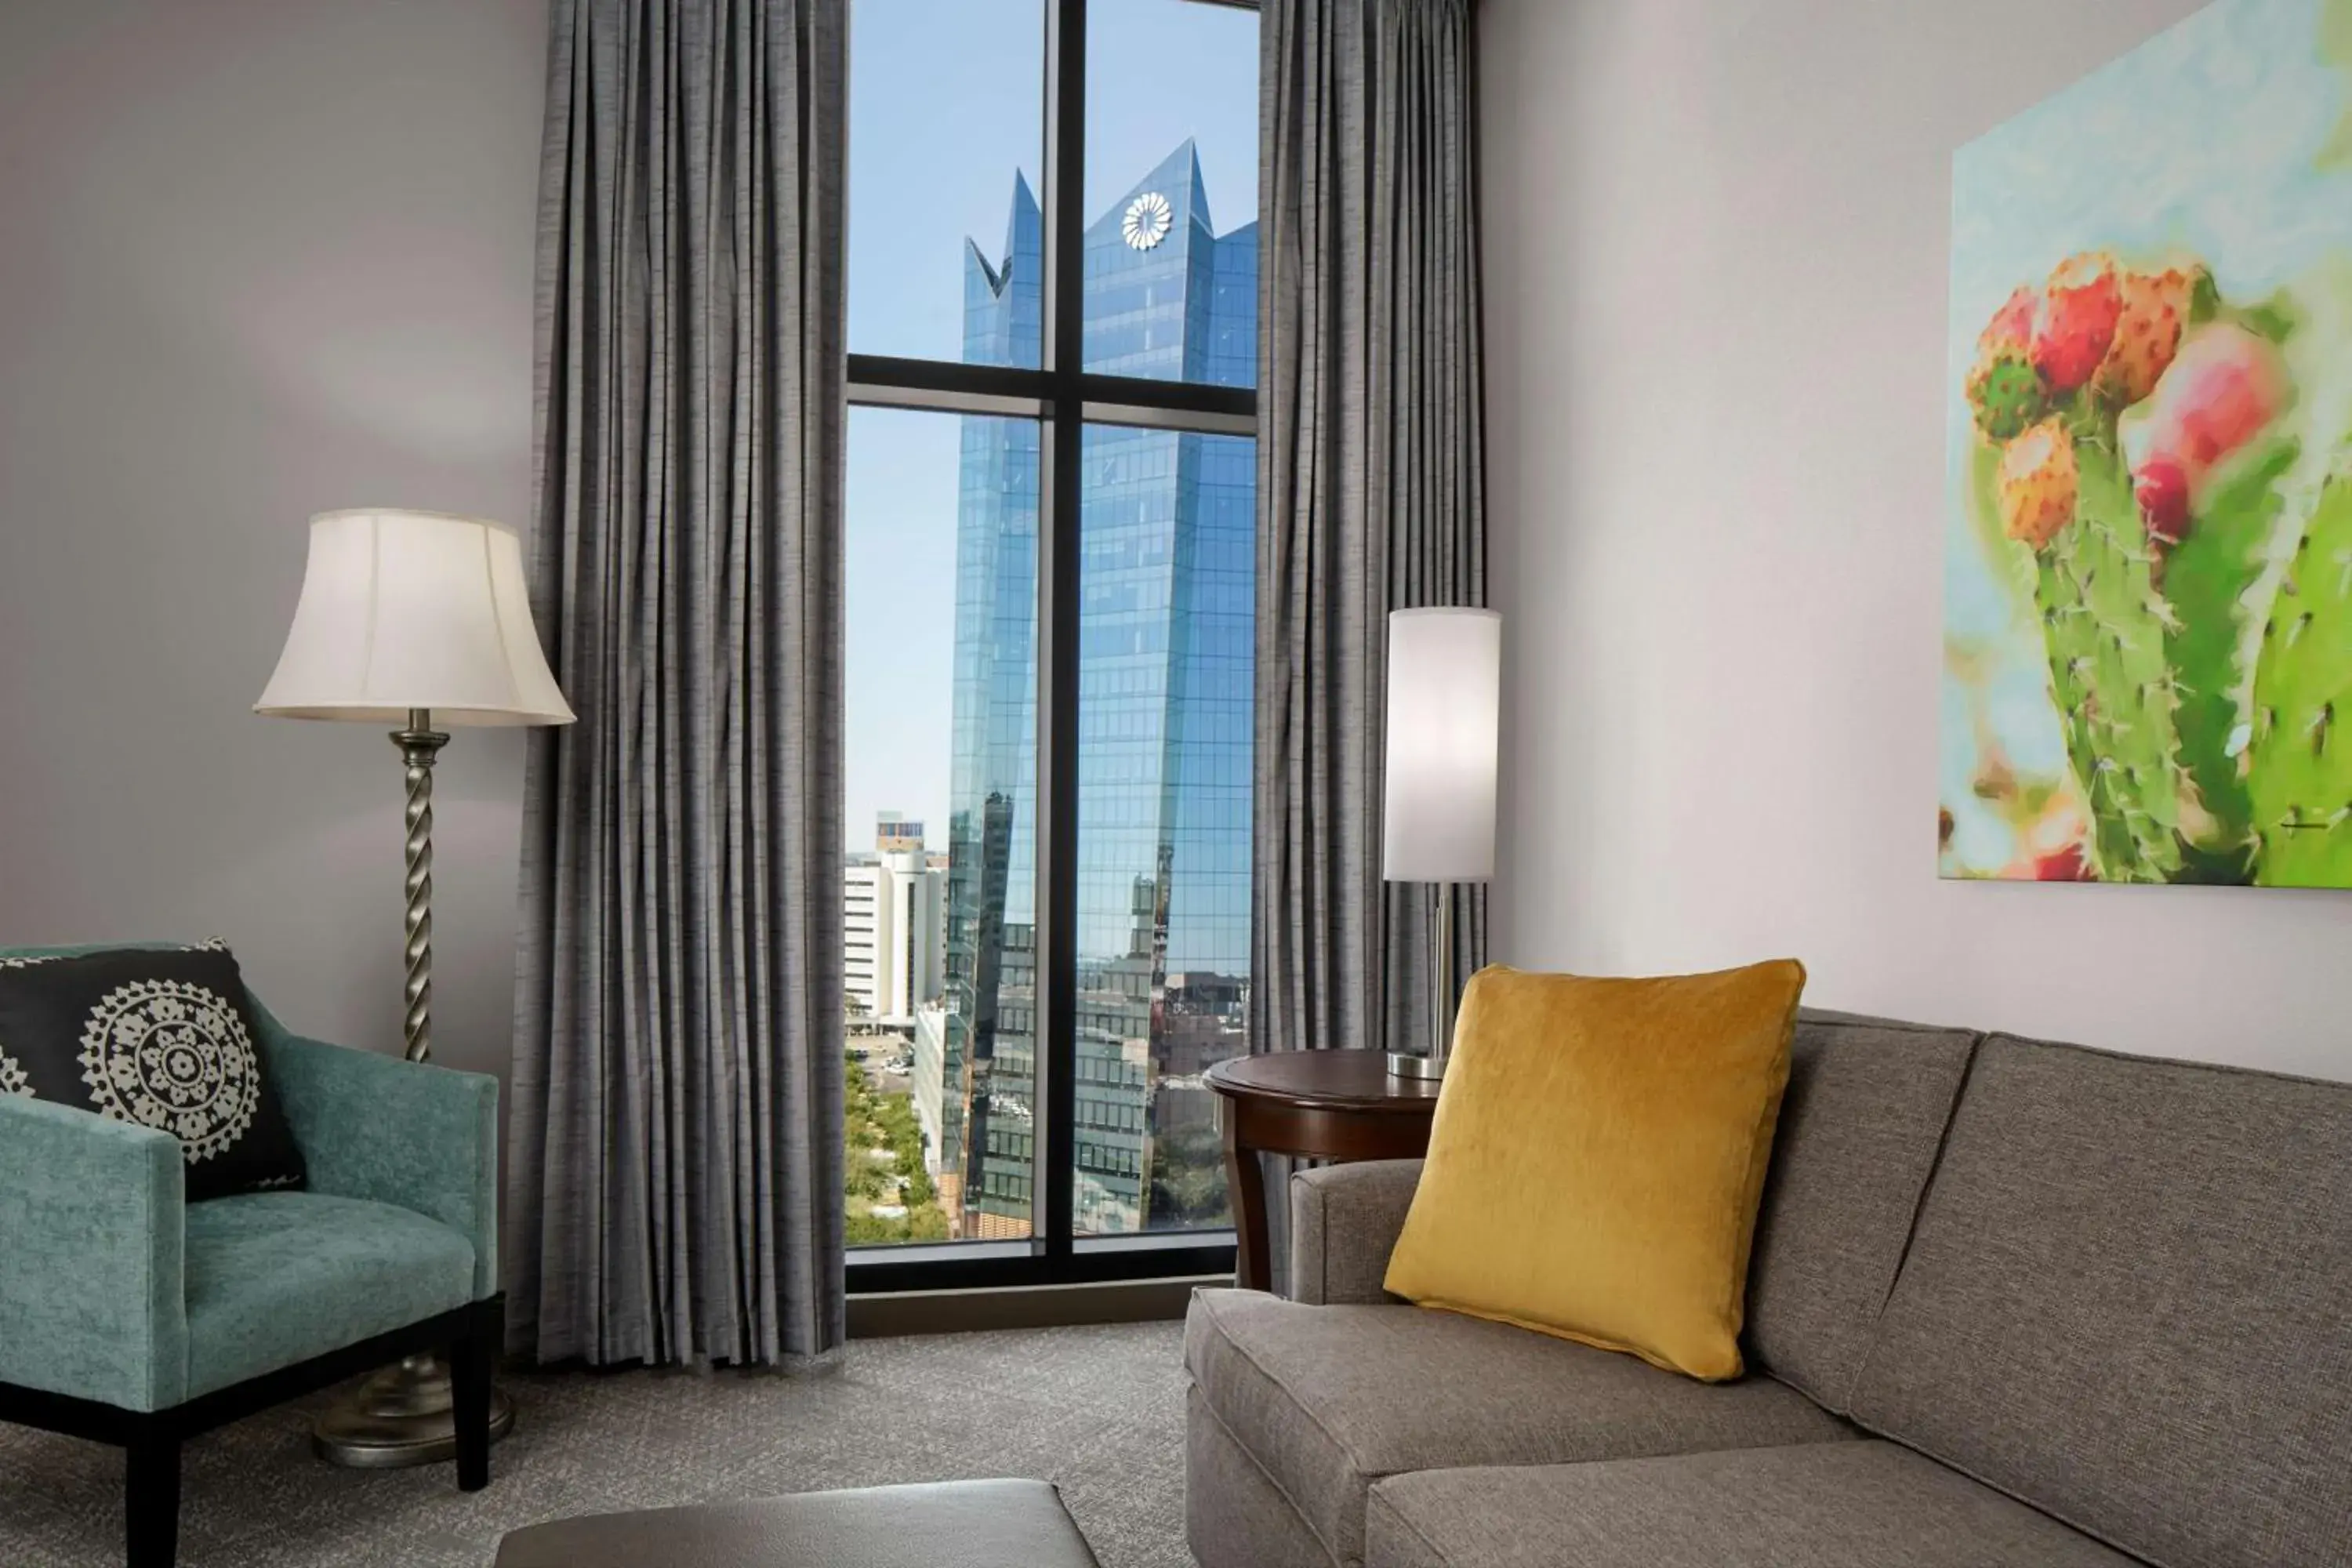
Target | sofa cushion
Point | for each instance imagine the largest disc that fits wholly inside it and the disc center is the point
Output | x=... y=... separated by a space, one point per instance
x=1329 y=1399
x=278 y=1278
x=1867 y=1103
x=2126 y=1303
x=1824 y=1505
x=1598 y=1157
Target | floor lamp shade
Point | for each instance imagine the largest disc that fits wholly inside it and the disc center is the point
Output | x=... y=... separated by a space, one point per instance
x=1444 y=699
x=406 y=611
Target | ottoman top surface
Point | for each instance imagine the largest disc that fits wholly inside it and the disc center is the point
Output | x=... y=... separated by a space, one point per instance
x=974 y=1524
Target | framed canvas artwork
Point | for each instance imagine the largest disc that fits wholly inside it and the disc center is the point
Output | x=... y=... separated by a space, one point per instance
x=2147 y=636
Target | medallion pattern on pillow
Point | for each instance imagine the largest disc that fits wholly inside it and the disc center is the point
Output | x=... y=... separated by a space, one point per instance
x=158 y=1036
x=172 y=1055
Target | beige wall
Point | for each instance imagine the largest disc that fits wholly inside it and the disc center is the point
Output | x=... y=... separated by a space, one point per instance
x=257 y=258
x=1717 y=235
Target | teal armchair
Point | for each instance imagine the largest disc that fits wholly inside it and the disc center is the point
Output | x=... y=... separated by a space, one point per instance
x=130 y=1316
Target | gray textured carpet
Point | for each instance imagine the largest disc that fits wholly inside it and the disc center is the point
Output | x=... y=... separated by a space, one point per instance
x=1097 y=1410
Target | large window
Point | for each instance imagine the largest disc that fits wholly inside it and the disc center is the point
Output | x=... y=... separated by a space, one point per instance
x=1053 y=334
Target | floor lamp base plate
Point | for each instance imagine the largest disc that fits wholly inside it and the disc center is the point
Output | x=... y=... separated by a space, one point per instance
x=399 y=1417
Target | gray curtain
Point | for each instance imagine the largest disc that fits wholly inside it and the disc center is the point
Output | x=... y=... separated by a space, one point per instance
x=1371 y=494
x=675 y=1165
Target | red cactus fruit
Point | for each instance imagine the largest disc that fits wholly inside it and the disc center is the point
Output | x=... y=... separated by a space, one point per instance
x=2153 y=315
x=2077 y=324
x=2011 y=327
x=2222 y=389
x=2067 y=865
x=2162 y=486
x=2037 y=483
x=2003 y=388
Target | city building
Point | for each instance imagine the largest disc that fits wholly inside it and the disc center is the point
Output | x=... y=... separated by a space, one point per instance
x=894 y=931
x=1168 y=604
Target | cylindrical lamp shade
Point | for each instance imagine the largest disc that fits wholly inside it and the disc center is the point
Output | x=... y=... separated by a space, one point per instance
x=403 y=610
x=1444 y=722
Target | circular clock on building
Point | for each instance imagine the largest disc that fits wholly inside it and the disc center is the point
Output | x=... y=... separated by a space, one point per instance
x=1147 y=220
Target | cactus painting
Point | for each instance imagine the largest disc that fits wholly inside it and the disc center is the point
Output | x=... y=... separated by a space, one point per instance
x=2148 y=670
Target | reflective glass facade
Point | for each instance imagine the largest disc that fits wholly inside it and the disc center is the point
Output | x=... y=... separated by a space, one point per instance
x=1167 y=590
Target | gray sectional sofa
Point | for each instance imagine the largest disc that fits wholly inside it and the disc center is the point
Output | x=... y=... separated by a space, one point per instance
x=2013 y=1305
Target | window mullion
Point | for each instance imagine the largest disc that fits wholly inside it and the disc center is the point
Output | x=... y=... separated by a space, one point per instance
x=1057 y=662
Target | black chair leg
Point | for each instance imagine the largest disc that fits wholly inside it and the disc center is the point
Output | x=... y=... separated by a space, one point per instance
x=150 y=1501
x=473 y=1362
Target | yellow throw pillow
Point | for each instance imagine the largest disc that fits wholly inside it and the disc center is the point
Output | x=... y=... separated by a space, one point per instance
x=1598 y=1156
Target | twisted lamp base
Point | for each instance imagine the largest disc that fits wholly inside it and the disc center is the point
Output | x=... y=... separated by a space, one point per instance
x=403 y=1415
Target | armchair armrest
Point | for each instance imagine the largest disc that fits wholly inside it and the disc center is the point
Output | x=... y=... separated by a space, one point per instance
x=92 y=1240
x=421 y=1137
x=1344 y=1223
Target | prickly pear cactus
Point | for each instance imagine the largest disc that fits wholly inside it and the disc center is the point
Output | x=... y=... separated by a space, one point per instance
x=2008 y=396
x=2105 y=625
x=2005 y=390
x=2206 y=579
x=2301 y=753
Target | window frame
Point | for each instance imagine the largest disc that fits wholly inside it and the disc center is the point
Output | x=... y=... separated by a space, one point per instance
x=1063 y=397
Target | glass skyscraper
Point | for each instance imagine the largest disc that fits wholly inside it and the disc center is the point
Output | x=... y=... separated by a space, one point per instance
x=1168 y=606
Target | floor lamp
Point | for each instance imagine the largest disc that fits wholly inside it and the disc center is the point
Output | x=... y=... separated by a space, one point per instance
x=1444 y=703
x=416 y=619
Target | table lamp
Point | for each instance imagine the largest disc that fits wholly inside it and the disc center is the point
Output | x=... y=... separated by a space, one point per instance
x=412 y=619
x=1444 y=702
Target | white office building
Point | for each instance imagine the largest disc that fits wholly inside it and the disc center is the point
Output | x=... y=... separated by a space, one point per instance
x=893 y=932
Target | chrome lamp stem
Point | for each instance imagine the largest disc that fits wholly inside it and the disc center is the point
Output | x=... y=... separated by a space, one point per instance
x=1445 y=994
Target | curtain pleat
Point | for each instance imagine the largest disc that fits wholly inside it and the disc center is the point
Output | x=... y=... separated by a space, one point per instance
x=674 y=1188
x=1371 y=448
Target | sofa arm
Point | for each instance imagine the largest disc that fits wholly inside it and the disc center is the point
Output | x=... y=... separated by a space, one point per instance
x=92 y=1238
x=1344 y=1222
x=420 y=1137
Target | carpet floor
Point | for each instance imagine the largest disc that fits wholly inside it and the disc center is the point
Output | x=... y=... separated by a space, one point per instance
x=1100 y=1410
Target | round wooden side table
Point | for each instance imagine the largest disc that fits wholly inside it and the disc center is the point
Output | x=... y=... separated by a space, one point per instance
x=1325 y=1105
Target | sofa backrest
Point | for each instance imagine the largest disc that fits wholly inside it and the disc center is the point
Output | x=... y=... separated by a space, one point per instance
x=1867 y=1103
x=2128 y=1302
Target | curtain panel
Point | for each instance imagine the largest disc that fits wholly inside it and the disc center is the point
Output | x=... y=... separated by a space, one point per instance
x=1370 y=445
x=674 y=1188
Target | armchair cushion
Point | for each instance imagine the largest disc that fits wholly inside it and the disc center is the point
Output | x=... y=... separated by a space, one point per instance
x=408 y=1133
x=274 y=1278
x=163 y=1037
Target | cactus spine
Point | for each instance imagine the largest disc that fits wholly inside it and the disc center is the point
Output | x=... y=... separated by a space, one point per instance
x=2300 y=752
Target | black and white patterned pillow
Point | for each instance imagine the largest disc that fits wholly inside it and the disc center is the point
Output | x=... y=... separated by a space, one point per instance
x=163 y=1037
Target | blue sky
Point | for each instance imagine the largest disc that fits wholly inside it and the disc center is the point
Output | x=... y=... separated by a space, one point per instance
x=946 y=103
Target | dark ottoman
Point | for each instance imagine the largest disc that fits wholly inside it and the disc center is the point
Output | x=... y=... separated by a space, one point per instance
x=971 y=1524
